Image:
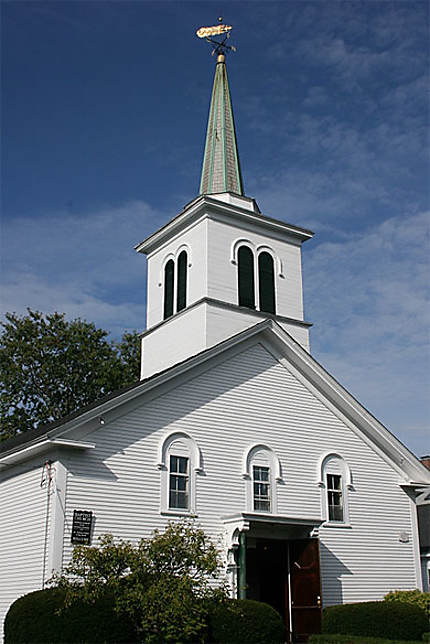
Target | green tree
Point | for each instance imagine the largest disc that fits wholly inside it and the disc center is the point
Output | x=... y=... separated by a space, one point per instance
x=50 y=367
x=163 y=584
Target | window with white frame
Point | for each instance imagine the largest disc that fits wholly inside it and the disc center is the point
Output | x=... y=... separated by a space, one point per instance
x=262 y=472
x=179 y=482
x=256 y=278
x=179 y=462
x=334 y=497
x=261 y=488
x=175 y=285
x=335 y=481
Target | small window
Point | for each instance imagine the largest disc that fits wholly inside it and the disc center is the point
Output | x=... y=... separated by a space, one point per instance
x=168 y=288
x=266 y=283
x=178 y=483
x=261 y=485
x=181 y=295
x=245 y=273
x=334 y=497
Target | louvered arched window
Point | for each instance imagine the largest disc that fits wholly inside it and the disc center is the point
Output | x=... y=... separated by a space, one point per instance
x=266 y=283
x=169 y=271
x=181 y=296
x=246 y=287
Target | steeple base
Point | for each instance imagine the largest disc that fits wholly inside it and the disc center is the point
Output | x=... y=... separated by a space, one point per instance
x=201 y=326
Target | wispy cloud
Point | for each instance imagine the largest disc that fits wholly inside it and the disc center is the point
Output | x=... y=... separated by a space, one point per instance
x=369 y=300
x=83 y=265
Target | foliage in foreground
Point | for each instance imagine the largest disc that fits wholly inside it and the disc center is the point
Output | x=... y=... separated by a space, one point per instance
x=162 y=585
x=386 y=619
x=244 y=621
x=38 y=618
x=416 y=597
x=51 y=367
x=356 y=639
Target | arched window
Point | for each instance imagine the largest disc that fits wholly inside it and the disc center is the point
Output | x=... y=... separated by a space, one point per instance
x=262 y=472
x=169 y=271
x=266 y=283
x=181 y=296
x=246 y=284
x=179 y=461
x=335 y=482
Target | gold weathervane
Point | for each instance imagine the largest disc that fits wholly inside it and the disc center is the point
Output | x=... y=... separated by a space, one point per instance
x=219 y=47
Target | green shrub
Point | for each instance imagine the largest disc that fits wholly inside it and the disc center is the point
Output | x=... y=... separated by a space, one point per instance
x=416 y=597
x=355 y=639
x=246 y=621
x=426 y=637
x=386 y=619
x=34 y=618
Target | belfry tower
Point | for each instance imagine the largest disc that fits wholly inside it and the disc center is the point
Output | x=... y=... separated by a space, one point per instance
x=219 y=266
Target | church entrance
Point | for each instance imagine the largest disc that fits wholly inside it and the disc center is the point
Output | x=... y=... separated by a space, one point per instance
x=286 y=574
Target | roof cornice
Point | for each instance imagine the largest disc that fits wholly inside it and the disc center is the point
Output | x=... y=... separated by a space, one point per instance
x=211 y=207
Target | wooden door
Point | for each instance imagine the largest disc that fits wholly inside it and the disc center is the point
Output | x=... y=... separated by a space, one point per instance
x=305 y=588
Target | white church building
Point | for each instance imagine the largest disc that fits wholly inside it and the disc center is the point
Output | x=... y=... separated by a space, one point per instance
x=233 y=424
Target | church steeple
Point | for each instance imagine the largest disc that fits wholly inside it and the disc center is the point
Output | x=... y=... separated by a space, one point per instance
x=221 y=167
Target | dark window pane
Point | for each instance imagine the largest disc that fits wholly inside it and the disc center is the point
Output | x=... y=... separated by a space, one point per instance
x=246 y=277
x=178 y=482
x=261 y=488
x=334 y=497
x=266 y=283
x=168 y=288
x=181 y=300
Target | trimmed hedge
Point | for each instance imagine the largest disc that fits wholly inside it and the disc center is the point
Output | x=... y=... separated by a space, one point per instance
x=245 y=621
x=411 y=597
x=389 y=620
x=32 y=618
x=355 y=639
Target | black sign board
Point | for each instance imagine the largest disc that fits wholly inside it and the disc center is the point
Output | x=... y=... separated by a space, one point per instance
x=81 y=528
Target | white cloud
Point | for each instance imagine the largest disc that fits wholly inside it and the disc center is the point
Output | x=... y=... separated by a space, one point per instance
x=368 y=298
x=84 y=265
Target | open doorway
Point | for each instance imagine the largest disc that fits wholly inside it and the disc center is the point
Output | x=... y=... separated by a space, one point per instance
x=286 y=574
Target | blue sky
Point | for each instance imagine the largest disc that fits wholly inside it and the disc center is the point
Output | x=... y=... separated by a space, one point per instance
x=104 y=116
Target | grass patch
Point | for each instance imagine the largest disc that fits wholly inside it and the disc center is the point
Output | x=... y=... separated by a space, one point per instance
x=356 y=639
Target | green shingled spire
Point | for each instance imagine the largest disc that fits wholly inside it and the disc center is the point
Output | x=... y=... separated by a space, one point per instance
x=221 y=167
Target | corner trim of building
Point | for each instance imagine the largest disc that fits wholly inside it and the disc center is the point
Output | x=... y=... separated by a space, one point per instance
x=416 y=544
x=55 y=563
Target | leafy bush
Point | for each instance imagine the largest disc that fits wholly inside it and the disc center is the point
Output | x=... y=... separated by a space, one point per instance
x=246 y=621
x=416 y=597
x=391 y=620
x=355 y=639
x=162 y=585
x=35 y=618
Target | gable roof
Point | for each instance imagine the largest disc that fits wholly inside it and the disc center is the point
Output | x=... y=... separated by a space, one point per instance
x=285 y=349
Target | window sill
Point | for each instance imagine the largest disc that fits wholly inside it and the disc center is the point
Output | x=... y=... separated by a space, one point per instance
x=178 y=513
x=334 y=524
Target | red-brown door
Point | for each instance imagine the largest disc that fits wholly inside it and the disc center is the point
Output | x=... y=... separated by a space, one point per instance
x=305 y=588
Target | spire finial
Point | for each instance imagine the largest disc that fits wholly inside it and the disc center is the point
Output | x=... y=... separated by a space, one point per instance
x=219 y=47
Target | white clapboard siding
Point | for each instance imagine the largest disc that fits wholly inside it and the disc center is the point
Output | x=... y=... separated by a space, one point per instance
x=24 y=537
x=248 y=399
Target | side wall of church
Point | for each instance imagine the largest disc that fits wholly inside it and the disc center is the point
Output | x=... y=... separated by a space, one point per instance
x=248 y=399
x=26 y=513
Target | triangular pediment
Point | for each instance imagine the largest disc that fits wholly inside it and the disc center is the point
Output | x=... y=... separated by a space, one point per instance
x=266 y=366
